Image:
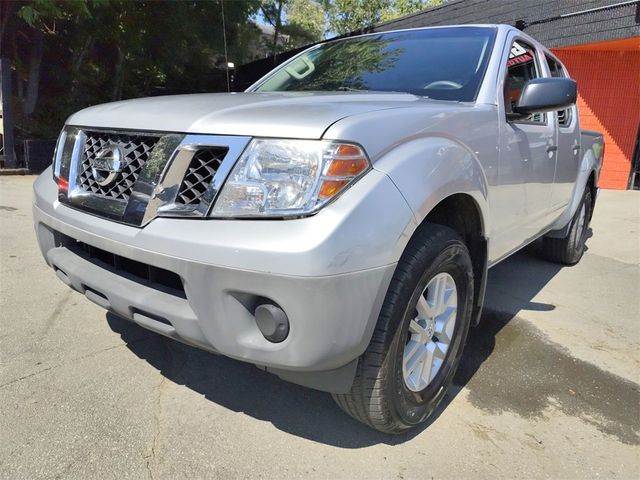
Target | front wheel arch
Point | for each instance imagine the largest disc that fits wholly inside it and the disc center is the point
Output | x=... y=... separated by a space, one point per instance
x=462 y=213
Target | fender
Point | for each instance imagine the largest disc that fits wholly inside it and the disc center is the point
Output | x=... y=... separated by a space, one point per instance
x=590 y=163
x=429 y=169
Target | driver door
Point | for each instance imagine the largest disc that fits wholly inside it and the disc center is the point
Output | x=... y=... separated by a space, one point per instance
x=528 y=153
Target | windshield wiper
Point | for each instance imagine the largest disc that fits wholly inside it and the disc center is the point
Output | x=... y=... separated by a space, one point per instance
x=351 y=89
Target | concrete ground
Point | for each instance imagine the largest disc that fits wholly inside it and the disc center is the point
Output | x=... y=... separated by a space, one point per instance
x=548 y=385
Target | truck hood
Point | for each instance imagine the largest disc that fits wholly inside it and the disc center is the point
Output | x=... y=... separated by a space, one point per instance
x=281 y=114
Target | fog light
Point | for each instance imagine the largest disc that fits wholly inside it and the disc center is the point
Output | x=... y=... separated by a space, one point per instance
x=272 y=322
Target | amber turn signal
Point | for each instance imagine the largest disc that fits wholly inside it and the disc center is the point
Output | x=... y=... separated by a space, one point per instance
x=347 y=150
x=330 y=187
x=347 y=168
x=348 y=162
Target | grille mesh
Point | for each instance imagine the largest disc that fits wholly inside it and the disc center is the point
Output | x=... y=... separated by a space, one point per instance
x=136 y=152
x=199 y=174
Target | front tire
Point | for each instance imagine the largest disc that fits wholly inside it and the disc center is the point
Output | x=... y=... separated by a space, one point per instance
x=421 y=331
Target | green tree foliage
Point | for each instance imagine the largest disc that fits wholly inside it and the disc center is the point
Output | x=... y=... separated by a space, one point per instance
x=68 y=54
x=305 y=22
x=351 y=15
x=273 y=12
x=295 y=23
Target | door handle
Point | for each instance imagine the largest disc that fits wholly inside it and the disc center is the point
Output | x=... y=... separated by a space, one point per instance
x=552 y=148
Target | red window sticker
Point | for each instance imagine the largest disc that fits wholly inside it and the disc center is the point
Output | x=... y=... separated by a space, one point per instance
x=518 y=55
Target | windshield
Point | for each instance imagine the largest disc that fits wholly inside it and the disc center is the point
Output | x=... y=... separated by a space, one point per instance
x=440 y=63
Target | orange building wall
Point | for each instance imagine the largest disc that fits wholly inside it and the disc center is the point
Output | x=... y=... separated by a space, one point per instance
x=609 y=102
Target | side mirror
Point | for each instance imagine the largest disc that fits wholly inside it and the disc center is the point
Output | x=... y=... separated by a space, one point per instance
x=542 y=95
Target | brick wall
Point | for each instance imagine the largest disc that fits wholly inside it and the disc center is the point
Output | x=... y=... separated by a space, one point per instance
x=609 y=102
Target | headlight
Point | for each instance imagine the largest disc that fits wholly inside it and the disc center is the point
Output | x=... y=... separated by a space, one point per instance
x=279 y=178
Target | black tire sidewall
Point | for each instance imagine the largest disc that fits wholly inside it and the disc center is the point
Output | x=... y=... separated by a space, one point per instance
x=410 y=407
x=577 y=240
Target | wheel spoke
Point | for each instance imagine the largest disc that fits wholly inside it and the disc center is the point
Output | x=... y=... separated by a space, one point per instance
x=431 y=332
x=427 y=366
x=445 y=325
x=437 y=363
x=439 y=295
x=440 y=350
x=410 y=350
x=412 y=356
x=451 y=297
x=415 y=327
x=424 y=308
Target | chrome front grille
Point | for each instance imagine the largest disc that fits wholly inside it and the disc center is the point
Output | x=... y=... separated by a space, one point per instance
x=136 y=148
x=199 y=174
x=134 y=177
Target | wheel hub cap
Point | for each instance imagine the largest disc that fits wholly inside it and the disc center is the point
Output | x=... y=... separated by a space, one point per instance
x=430 y=328
x=430 y=332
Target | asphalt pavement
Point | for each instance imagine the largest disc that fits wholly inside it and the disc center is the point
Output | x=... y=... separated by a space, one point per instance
x=548 y=387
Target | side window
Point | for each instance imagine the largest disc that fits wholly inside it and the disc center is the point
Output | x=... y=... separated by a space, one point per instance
x=564 y=116
x=522 y=66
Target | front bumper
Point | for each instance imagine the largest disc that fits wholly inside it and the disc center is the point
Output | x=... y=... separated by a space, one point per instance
x=329 y=273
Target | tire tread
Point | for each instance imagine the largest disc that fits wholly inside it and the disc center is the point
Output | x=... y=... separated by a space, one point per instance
x=366 y=401
x=562 y=250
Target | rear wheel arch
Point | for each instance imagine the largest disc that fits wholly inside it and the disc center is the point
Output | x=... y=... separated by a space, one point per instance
x=568 y=250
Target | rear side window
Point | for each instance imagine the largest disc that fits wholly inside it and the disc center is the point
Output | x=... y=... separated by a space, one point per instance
x=564 y=116
x=522 y=66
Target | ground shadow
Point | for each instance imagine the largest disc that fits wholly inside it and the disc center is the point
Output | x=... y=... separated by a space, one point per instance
x=511 y=287
x=311 y=414
x=242 y=387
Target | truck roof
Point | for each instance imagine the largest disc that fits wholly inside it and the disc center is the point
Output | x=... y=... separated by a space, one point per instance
x=498 y=26
x=502 y=29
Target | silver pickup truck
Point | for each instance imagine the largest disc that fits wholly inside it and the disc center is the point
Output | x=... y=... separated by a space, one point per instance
x=333 y=224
